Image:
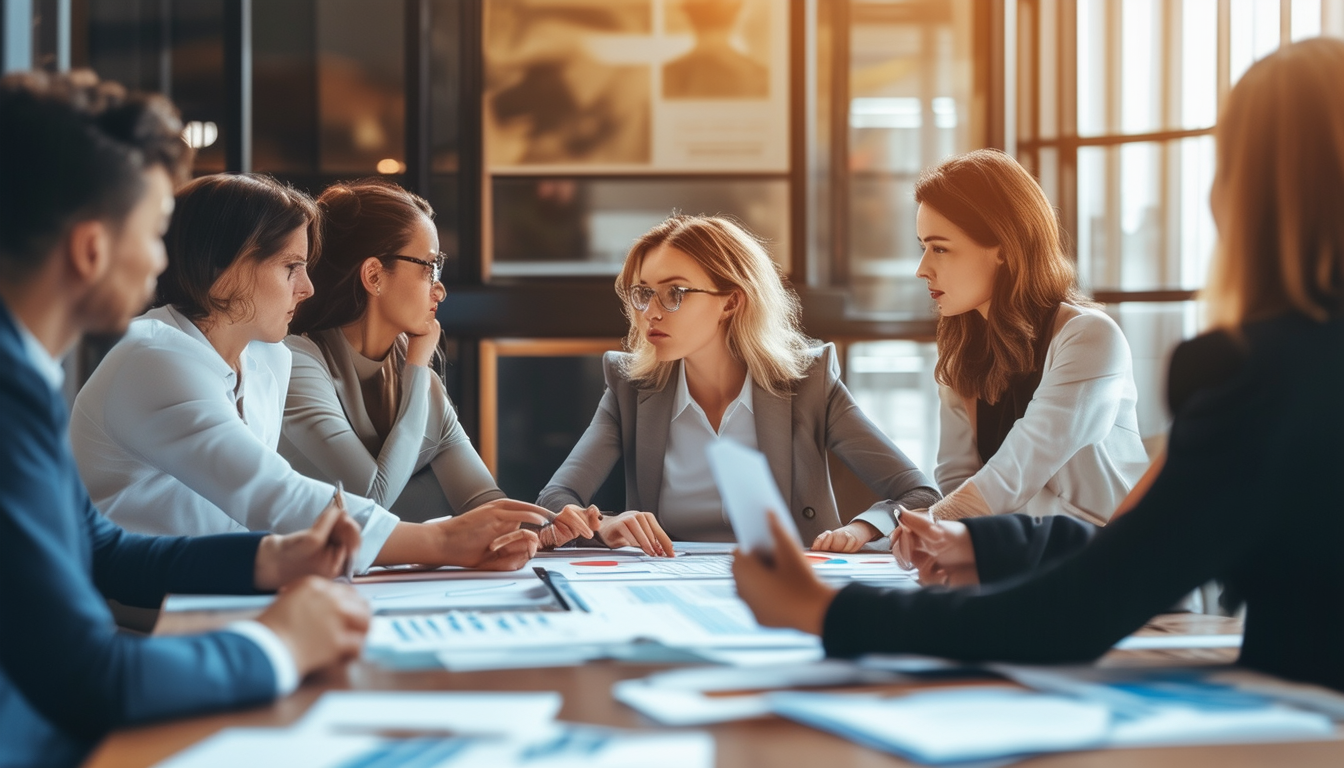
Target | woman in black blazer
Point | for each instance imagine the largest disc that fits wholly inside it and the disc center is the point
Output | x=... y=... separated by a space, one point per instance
x=1265 y=426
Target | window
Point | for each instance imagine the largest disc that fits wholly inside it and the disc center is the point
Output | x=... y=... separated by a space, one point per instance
x=1116 y=103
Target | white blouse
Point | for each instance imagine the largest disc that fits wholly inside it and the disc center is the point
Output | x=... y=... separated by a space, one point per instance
x=689 y=505
x=1076 y=451
x=163 y=449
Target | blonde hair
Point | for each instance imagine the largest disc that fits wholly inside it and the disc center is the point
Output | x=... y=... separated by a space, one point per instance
x=1279 y=189
x=763 y=332
x=996 y=202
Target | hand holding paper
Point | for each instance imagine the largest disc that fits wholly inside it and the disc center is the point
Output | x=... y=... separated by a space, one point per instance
x=782 y=591
x=750 y=496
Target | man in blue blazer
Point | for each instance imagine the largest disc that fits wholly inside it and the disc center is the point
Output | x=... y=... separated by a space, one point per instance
x=86 y=183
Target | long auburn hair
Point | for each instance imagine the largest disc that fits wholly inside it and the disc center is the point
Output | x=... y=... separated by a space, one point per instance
x=997 y=203
x=764 y=332
x=1279 y=189
x=360 y=219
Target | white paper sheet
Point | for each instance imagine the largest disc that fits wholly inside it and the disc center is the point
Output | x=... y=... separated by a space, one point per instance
x=699 y=613
x=457 y=713
x=569 y=747
x=681 y=697
x=749 y=494
x=501 y=631
x=404 y=593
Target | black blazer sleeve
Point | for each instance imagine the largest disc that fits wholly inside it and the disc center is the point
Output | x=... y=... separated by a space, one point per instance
x=1190 y=527
x=1012 y=545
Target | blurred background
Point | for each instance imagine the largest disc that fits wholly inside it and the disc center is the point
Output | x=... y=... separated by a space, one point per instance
x=548 y=134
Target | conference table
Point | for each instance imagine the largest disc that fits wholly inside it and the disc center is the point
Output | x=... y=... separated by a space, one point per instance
x=767 y=743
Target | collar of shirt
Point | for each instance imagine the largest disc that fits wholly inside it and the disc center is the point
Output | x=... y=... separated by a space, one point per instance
x=683 y=399
x=46 y=365
x=171 y=316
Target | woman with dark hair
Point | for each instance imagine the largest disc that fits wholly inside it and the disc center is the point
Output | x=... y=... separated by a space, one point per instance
x=364 y=406
x=176 y=431
x=1257 y=432
x=1036 y=384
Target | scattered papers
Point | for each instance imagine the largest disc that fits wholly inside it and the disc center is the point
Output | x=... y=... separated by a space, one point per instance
x=1069 y=709
x=570 y=747
x=426 y=712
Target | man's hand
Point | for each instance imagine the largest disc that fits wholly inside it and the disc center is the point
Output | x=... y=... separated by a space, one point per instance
x=940 y=550
x=784 y=592
x=846 y=538
x=321 y=550
x=321 y=622
x=636 y=529
x=573 y=522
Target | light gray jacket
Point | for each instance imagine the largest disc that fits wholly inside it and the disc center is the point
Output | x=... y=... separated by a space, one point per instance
x=426 y=467
x=795 y=433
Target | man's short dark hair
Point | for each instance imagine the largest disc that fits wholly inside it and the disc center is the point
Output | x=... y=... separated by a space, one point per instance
x=74 y=149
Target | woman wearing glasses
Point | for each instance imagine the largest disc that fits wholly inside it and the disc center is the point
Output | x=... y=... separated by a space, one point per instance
x=364 y=405
x=716 y=352
x=177 y=430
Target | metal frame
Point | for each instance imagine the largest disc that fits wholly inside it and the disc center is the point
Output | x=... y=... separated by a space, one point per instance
x=493 y=349
x=238 y=86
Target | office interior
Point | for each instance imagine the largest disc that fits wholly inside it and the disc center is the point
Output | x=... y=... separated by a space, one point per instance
x=548 y=134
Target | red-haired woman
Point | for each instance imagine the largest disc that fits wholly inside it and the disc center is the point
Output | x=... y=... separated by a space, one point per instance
x=1037 y=387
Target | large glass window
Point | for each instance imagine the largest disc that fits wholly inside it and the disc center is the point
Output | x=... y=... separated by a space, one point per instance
x=909 y=100
x=1117 y=101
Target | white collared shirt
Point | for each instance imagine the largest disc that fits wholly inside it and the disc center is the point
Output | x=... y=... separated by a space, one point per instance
x=282 y=661
x=689 y=506
x=159 y=442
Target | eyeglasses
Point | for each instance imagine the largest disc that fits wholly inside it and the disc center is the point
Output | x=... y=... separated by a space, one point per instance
x=669 y=296
x=435 y=266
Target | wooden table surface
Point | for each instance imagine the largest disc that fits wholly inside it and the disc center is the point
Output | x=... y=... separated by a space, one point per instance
x=766 y=743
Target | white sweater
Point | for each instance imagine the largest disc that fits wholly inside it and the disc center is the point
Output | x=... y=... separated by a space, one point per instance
x=1077 y=449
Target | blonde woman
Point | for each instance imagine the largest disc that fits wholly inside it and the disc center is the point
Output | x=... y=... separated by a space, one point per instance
x=1249 y=490
x=1036 y=384
x=716 y=353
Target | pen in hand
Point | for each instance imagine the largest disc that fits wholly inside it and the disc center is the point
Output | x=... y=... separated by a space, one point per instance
x=348 y=569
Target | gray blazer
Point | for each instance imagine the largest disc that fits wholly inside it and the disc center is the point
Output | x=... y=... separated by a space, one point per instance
x=794 y=433
x=426 y=467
